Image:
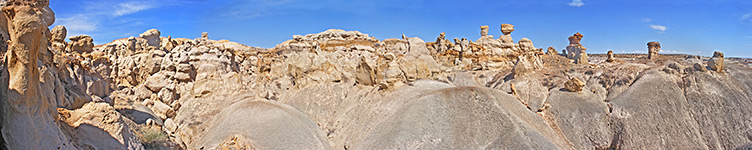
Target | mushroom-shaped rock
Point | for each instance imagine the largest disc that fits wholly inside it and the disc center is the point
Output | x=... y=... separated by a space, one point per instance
x=483 y=31
x=575 y=48
x=152 y=37
x=80 y=44
x=653 y=49
x=716 y=62
x=574 y=85
x=507 y=30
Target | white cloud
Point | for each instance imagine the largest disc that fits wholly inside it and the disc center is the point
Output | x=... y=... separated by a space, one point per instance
x=658 y=27
x=576 y=3
x=647 y=20
x=78 y=24
x=131 y=7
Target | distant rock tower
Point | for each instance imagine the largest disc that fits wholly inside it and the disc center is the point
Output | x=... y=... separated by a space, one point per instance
x=653 y=49
x=576 y=50
x=204 y=35
x=483 y=31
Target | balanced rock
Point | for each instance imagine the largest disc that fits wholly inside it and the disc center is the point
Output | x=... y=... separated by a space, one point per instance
x=80 y=44
x=205 y=35
x=152 y=37
x=574 y=48
x=716 y=62
x=483 y=31
x=507 y=30
x=653 y=49
x=574 y=85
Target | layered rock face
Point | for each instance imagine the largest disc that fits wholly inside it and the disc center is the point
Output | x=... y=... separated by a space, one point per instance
x=28 y=117
x=347 y=90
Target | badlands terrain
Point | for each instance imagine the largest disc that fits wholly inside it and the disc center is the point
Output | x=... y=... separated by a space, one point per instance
x=348 y=90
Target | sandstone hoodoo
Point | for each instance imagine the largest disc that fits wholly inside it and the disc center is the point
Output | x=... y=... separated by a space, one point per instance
x=484 y=31
x=610 y=56
x=653 y=49
x=576 y=50
x=340 y=89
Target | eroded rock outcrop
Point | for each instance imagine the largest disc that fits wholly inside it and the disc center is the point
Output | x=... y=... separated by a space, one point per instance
x=57 y=39
x=80 y=44
x=152 y=37
x=29 y=120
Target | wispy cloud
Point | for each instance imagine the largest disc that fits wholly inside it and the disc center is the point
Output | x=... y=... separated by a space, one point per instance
x=78 y=24
x=118 y=16
x=131 y=7
x=746 y=19
x=576 y=3
x=647 y=20
x=658 y=27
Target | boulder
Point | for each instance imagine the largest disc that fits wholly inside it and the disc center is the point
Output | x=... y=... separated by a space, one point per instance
x=100 y=126
x=653 y=49
x=204 y=35
x=152 y=37
x=81 y=44
x=574 y=85
x=716 y=62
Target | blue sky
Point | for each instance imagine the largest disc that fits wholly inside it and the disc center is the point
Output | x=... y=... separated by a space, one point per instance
x=625 y=26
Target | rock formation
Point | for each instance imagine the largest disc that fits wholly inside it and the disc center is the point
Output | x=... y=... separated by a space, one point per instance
x=80 y=44
x=28 y=117
x=653 y=49
x=57 y=39
x=716 y=62
x=552 y=51
x=152 y=37
x=576 y=50
x=204 y=35
x=610 y=56
x=347 y=90
x=507 y=30
x=484 y=31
